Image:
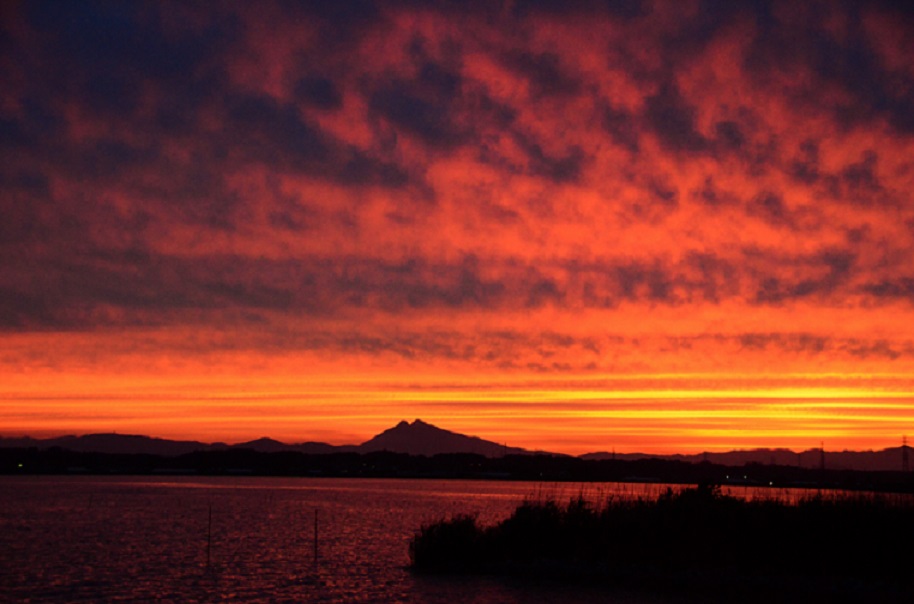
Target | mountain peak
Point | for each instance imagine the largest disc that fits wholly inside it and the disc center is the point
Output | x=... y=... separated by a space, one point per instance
x=422 y=438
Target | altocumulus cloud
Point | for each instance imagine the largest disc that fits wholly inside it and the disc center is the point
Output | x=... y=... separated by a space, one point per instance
x=279 y=166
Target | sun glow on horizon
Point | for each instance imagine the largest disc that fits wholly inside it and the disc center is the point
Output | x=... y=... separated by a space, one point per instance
x=584 y=413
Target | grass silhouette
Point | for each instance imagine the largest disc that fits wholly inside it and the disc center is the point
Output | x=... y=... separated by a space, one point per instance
x=699 y=537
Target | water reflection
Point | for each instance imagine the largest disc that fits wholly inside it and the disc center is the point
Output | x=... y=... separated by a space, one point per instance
x=91 y=538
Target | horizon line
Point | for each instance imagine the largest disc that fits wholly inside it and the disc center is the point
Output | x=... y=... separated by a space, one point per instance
x=611 y=451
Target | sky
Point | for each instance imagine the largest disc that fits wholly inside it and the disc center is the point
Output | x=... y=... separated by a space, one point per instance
x=568 y=226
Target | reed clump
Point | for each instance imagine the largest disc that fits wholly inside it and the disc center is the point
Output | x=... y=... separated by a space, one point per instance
x=698 y=533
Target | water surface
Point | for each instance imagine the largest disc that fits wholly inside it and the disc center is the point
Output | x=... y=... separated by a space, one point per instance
x=251 y=539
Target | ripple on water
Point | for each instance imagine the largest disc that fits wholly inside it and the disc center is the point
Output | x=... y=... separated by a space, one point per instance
x=127 y=539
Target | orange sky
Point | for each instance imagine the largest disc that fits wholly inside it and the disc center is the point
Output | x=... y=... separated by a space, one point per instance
x=652 y=226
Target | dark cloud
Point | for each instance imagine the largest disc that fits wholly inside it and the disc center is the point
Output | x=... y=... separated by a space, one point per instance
x=709 y=193
x=730 y=135
x=319 y=92
x=26 y=311
x=197 y=196
x=545 y=74
x=144 y=287
x=551 y=352
x=710 y=278
x=422 y=117
x=785 y=342
x=427 y=105
x=542 y=291
x=156 y=85
x=275 y=133
x=801 y=41
x=340 y=22
x=804 y=167
x=622 y=9
x=36 y=123
x=662 y=191
x=770 y=207
x=493 y=348
x=898 y=287
x=562 y=167
x=860 y=183
x=26 y=194
x=856 y=183
x=820 y=274
x=621 y=126
x=115 y=52
x=699 y=25
x=672 y=120
x=636 y=282
x=880 y=348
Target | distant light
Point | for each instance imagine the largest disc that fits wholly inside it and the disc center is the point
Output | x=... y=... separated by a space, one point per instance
x=20 y=465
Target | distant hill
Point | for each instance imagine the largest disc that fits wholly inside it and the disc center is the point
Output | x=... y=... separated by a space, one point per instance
x=421 y=438
x=883 y=460
x=417 y=438
x=115 y=444
x=269 y=445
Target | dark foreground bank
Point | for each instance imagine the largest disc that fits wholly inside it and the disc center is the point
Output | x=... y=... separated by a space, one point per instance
x=847 y=548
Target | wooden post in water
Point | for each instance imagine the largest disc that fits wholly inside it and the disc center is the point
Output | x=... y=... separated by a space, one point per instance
x=315 y=539
x=209 y=534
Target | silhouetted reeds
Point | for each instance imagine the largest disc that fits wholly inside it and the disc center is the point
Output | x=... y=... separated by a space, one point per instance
x=696 y=533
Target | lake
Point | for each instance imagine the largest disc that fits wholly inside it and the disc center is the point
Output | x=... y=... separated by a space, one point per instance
x=90 y=538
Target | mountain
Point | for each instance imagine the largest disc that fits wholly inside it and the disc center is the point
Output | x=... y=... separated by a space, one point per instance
x=269 y=445
x=264 y=445
x=417 y=438
x=114 y=444
x=883 y=460
x=420 y=438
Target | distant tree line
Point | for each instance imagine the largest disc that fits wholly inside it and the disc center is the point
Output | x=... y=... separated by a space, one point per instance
x=543 y=468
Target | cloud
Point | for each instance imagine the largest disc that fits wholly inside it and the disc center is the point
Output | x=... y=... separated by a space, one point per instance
x=423 y=107
x=565 y=166
x=769 y=206
x=544 y=73
x=174 y=165
x=620 y=125
x=844 y=60
x=141 y=287
x=672 y=120
x=319 y=92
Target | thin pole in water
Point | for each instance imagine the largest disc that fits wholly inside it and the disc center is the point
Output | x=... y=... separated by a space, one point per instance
x=209 y=534
x=315 y=539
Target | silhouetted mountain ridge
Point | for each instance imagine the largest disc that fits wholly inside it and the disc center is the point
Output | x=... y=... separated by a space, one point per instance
x=891 y=458
x=115 y=444
x=416 y=438
x=422 y=438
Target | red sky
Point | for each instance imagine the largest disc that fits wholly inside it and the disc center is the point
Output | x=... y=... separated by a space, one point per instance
x=648 y=226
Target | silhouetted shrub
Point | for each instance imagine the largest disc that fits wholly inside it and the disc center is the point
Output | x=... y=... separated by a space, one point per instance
x=695 y=532
x=453 y=545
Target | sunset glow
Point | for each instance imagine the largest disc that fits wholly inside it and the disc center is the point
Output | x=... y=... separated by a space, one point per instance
x=634 y=226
